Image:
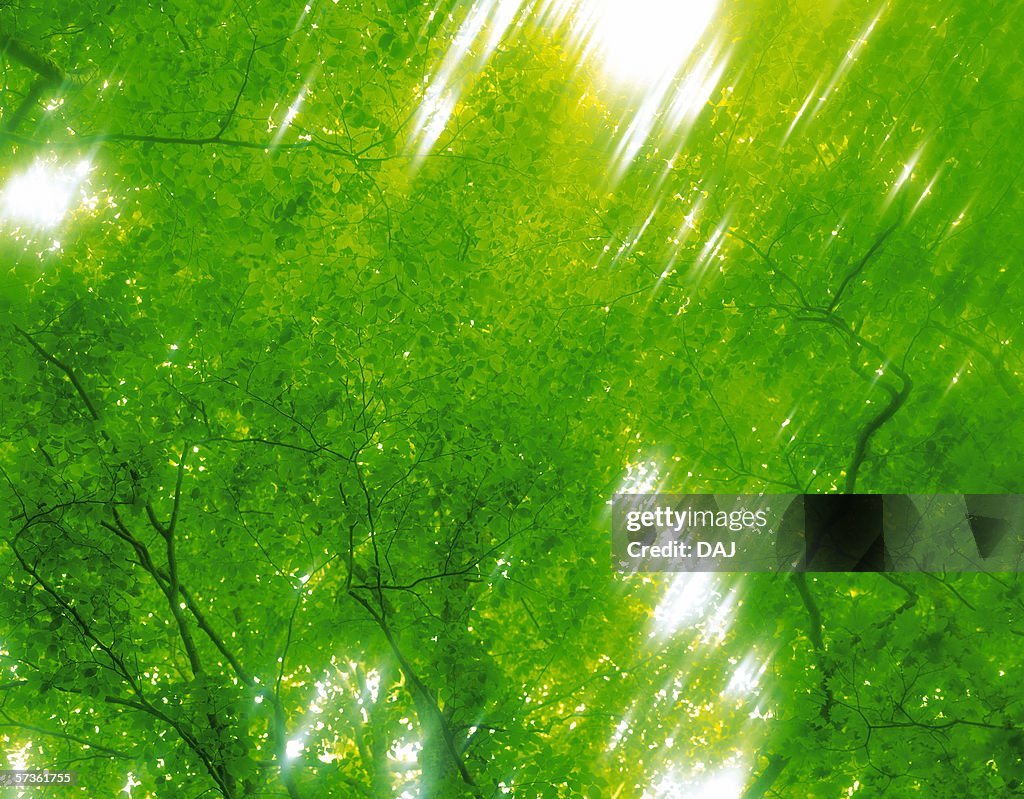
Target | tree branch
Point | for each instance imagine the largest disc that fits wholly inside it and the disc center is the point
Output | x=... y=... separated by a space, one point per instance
x=859 y=267
x=27 y=57
x=65 y=736
x=766 y=779
x=421 y=692
x=67 y=370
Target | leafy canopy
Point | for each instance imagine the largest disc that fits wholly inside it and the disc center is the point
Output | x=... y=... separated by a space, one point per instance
x=329 y=331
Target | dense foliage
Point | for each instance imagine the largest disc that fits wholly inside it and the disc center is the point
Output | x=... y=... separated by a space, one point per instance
x=314 y=398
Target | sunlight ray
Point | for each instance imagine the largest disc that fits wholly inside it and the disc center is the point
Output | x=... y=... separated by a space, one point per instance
x=646 y=52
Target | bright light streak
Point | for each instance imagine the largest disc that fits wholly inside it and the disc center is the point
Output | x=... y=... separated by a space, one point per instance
x=746 y=678
x=645 y=42
x=848 y=60
x=667 y=109
x=717 y=626
x=800 y=113
x=700 y=602
x=290 y=114
x=635 y=238
x=293 y=109
x=622 y=728
x=906 y=173
x=649 y=49
x=641 y=478
x=294 y=748
x=956 y=377
x=372 y=685
x=480 y=33
x=645 y=48
x=711 y=250
x=676 y=243
x=42 y=195
x=927 y=191
x=685 y=598
x=302 y=18
x=436 y=108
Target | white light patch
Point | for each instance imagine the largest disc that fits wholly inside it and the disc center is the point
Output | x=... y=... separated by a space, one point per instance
x=18 y=758
x=293 y=109
x=746 y=679
x=406 y=752
x=723 y=785
x=294 y=748
x=726 y=783
x=42 y=195
x=130 y=784
x=641 y=478
x=695 y=600
x=644 y=42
